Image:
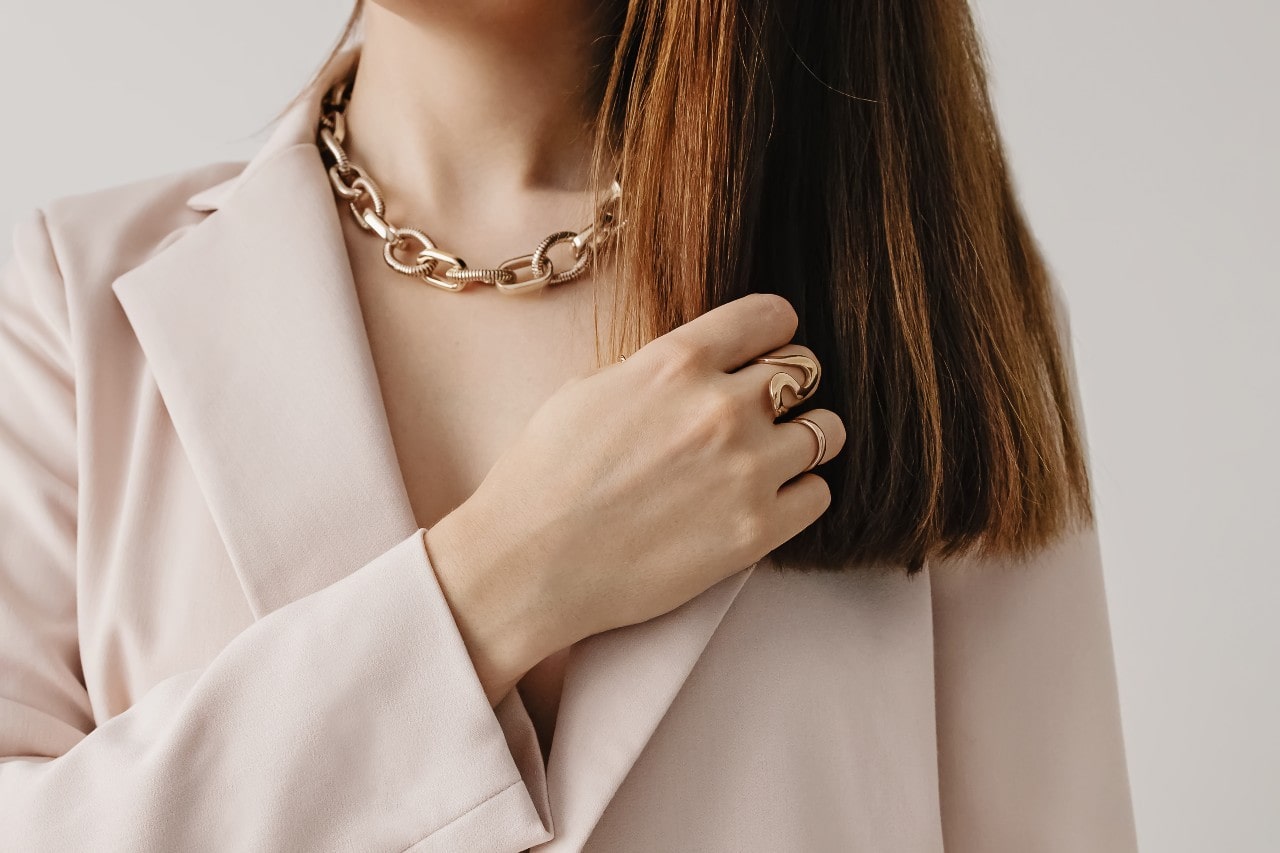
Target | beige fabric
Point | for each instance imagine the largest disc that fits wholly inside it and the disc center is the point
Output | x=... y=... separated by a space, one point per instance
x=219 y=629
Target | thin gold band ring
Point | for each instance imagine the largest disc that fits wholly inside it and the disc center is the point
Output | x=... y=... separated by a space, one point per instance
x=819 y=434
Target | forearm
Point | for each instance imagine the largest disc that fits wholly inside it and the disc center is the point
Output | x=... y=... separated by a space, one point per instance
x=494 y=613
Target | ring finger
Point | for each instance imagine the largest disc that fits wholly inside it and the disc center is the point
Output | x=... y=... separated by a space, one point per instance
x=794 y=445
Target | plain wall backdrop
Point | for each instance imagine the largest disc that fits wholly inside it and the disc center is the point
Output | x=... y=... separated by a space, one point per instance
x=1143 y=138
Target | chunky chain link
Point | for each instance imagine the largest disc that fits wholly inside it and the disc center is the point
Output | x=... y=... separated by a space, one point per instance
x=411 y=252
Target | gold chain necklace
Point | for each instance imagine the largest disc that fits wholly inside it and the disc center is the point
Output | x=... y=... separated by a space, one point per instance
x=521 y=274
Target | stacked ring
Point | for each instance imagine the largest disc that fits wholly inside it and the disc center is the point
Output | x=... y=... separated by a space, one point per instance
x=800 y=390
x=822 y=441
x=783 y=381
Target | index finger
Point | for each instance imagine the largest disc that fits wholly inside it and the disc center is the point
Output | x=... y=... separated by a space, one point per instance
x=730 y=335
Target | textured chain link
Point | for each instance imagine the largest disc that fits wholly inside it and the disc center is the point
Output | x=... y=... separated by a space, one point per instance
x=411 y=252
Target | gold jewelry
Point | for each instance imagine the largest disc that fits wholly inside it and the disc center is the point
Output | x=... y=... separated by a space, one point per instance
x=821 y=436
x=785 y=381
x=363 y=195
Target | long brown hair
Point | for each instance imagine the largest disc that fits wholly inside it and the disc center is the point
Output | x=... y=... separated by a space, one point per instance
x=846 y=156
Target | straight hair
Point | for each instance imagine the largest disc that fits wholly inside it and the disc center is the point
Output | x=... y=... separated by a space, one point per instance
x=846 y=156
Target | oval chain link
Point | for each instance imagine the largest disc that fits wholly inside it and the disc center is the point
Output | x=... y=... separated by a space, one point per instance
x=368 y=206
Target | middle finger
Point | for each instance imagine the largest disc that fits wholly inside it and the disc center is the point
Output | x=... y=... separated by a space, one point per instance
x=755 y=378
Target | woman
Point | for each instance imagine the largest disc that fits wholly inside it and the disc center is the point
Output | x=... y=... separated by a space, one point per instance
x=317 y=537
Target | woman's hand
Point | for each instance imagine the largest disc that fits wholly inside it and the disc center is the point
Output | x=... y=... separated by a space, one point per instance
x=632 y=490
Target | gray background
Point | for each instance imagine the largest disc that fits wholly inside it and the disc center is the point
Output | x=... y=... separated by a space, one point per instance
x=1143 y=137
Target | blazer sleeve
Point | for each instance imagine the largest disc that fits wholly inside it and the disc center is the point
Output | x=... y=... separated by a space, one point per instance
x=1030 y=750
x=349 y=719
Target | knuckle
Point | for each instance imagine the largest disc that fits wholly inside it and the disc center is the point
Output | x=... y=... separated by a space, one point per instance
x=721 y=407
x=715 y=419
x=750 y=531
x=801 y=349
x=680 y=356
x=833 y=425
x=779 y=310
x=841 y=432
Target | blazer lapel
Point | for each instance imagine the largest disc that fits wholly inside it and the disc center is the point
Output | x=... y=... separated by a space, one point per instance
x=252 y=329
x=251 y=326
x=618 y=686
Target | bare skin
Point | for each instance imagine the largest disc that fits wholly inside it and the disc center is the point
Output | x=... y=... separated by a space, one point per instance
x=560 y=501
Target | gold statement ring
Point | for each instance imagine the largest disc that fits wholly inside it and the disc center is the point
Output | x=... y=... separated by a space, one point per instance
x=785 y=382
x=800 y=390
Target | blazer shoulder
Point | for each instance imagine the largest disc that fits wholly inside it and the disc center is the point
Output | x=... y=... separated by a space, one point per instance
x=99 y=235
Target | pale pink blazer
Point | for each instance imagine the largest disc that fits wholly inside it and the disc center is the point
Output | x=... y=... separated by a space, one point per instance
x=219 y=629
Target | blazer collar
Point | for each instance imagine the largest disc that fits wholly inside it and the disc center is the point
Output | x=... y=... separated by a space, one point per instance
x=251 y=327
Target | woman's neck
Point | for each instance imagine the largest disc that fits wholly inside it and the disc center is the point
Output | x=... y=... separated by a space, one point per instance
x=465 y=104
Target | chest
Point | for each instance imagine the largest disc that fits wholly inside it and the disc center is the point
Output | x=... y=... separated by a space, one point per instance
x=460 y=375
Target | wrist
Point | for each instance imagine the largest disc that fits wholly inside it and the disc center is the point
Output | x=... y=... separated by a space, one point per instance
x=489 y=606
